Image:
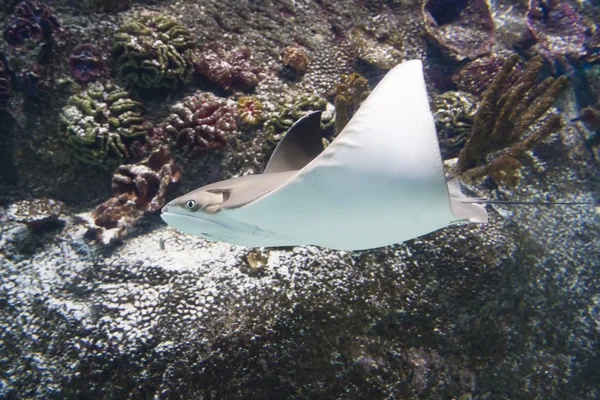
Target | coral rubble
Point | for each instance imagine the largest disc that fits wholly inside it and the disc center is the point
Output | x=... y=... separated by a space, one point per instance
x=101 y=124
x=464 y=29
x=227 y=69
x=201 y=122
x=153 y=51
x=503 y=119
x=138 y=189
x=36 y=214
x=85 y=62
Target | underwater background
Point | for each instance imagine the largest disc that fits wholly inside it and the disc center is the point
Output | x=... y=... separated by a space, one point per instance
x=108 y=108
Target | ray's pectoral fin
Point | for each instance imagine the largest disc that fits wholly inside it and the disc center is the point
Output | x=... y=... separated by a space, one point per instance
x=465 y=207
x=300 y=145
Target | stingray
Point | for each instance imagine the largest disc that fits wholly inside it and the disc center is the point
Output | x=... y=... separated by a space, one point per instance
x=380 y=182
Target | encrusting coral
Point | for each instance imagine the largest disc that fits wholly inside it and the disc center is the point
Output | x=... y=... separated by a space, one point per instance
x=102 y=123
x=503 y=119
x=454 y=115
x=153 y=51
x=464 y=29
x=138 y=189
x=201 y=122
x=350 y=93
x=227 y=69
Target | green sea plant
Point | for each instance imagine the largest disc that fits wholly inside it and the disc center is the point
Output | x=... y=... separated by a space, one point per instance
x=153 y=51
x=101 y=122
x=349 y=94
x=510 y=121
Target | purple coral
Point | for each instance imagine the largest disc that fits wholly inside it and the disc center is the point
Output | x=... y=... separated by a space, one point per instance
x=85 y=63
x=30 y=20
x=229 y=70
x=138 y=188
x=557 y=27
x=201 y=123
x=475 y=76
x=464 y=28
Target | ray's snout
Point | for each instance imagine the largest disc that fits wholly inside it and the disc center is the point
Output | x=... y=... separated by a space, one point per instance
x=165 y=208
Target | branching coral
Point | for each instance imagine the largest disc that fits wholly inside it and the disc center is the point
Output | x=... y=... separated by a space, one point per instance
x=85 y=62
x=201 y=123
x=153 y=51
x=350 y=93
x=229 y=70
x=476 y=76
x=101 y=124
x=463 y=28
x=504 y=117
x=139 y=188
x=454 y=114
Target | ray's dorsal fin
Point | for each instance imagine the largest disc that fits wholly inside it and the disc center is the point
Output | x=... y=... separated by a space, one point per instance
x=300 y=145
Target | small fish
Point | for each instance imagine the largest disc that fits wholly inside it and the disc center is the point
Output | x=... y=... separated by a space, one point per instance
x=380 y=182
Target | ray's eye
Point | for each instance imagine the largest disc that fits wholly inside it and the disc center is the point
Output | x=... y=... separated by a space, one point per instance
x=191 y=205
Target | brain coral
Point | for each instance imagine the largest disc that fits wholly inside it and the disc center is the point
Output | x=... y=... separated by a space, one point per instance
x=154 y=51
x=102 y=122
x=201 y=122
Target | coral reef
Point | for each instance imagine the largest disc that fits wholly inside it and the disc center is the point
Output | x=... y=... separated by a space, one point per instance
x=249 y=110
x=557 y=28
x=200 y=123
x=153 y=51
x=31 y=20
x=591 y=117
x=36 y=214
x=295 y=61
x=227 y=69
x=462 y=28
x=5 y=89
x=454 y=116
x=138 y=189
x=294 y=108
x=101 y=124
x=503 y=119
x=475 y=76
x=85 y=63
x=108 y=5
x=350 y=93
x=372 y=49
